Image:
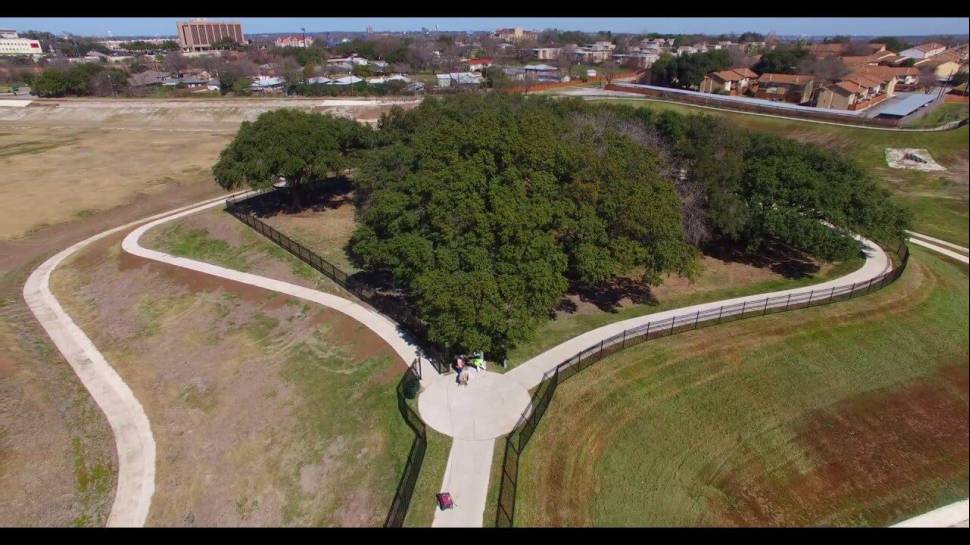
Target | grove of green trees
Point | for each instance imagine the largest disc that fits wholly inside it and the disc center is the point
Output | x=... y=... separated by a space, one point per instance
x=80 y=80
x=688 y=71
x=485 y=209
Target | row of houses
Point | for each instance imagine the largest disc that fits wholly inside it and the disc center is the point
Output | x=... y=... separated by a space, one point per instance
x=643 y=55
x=196 y=79
x=857 y=91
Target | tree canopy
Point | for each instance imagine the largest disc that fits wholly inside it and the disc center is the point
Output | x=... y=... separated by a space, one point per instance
x=485 y=209
x=296 y=145
x=80 y=80
x=781 y=60
x=687 y=71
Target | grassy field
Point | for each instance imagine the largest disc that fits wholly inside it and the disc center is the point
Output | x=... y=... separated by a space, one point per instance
x=266 y=410
x=78 y=172
x=939 y=200
x=849 y=414
x=718 y=281
x=423 y=502
x=943 y=114
x=326 y=228
x=214 y=236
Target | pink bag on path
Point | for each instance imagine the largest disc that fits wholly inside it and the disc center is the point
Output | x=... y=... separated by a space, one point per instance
x=445 y=501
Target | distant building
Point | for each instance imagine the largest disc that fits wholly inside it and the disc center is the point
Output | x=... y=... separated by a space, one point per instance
x=906 y=77
x=294 y=41
x=459 y=79
x=11 y=44
x=595 y=53
x=148 y=78
x=730 y=82
x=515 y=35
x=638 y=59
x=944 y=65
x=476 y=65
x=857 y=91
x=546 y=53
x=792 y=88
x=199 y=35
x=923 y=51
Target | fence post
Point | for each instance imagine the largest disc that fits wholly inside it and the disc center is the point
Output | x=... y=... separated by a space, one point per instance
x=788 y=302
x=672 y=320
x=765 y=311
x=868 y=285
x=647 y=335
x=696 y=317
x=744 y=306
x=623 y=343
x=831 y=293
x=719 y=312
x=810 y=297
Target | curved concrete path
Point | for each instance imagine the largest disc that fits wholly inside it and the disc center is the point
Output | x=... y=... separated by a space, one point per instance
x=468 y=414
x=376 y=322
x=134 y=443
x=530 y=373
x=936 y=245
x=955 y=515
x=456 y=411
x=938 y=241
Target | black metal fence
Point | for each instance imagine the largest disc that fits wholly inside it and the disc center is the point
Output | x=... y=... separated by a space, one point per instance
x=407 y=389
x=395 y=309
x=519 y=437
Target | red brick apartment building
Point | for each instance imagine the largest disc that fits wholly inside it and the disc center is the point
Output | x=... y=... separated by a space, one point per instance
x=199 y=35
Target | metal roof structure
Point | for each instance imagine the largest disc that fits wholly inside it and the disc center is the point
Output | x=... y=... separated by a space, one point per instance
x=908 y=105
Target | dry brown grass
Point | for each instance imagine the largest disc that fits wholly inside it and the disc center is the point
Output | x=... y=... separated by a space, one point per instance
x=240 y=386
x=60 y=174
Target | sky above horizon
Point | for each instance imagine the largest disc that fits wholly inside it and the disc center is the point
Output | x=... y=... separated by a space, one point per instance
x=165 y=26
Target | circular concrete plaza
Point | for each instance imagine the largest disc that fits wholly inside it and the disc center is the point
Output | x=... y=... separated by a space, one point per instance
x=487 y=408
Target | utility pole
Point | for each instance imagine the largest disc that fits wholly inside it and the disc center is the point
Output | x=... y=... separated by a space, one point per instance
x=303 y=29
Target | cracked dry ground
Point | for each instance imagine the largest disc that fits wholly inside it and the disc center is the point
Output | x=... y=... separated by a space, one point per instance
x=266 y=410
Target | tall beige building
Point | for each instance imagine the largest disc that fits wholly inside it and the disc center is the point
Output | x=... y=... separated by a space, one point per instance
x=200 y=34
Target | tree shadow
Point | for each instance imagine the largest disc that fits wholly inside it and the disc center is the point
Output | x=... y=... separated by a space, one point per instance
x=607 y=297
x=774 y=255
x=319 y=196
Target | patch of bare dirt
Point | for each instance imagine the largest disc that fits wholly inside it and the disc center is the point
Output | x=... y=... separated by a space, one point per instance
x=868 y=448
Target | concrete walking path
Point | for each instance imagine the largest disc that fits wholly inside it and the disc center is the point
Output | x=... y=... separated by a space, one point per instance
x=492 y=409
x=941 y=250
x=376 y=322
x=134 y=442
x=467 y=458
x=530 y=373
x=474 y=415
x=938 y=241
x=955 y=515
